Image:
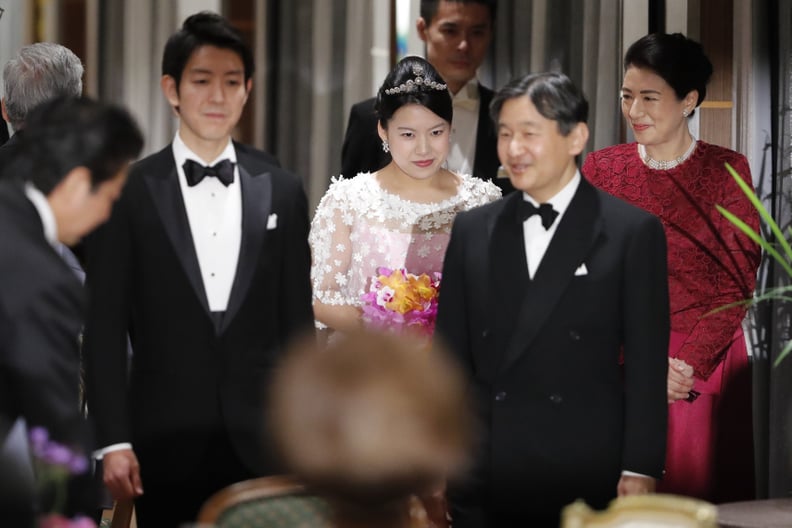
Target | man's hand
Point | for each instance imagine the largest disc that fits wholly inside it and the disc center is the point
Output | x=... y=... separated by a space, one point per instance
x=122 y=474
x=680 y=380
x=635 y=485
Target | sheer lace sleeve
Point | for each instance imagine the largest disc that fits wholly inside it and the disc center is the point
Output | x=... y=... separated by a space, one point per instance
x=331 y=246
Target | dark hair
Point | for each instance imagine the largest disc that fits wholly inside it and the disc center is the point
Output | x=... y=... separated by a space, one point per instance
x=203 y=29
x=418 y=83
x=428 y=8
x=680 y=61
x=68 y=132
x=553 y=94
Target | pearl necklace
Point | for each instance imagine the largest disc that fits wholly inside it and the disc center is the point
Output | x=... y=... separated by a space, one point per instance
x=665 y=165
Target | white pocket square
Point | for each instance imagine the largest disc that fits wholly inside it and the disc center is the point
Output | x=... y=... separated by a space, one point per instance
x=272 y=221
x=581 y=270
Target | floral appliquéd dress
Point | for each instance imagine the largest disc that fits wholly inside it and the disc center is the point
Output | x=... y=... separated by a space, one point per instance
x=359 y=227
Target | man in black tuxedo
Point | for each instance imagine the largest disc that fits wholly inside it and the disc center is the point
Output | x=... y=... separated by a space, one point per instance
x=72 y=165
x=205 y=262
x=457 y=34
x=543 y=293
x=37 y=73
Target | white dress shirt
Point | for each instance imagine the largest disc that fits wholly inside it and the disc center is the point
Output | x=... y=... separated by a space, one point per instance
x=536 y=237
x=44 y=210
x=463 y=128
x=214 y=212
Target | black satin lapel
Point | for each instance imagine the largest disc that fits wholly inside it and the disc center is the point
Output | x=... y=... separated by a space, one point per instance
x=167 y=198
x=508 y=271
x=256 y=207
x=572 y=242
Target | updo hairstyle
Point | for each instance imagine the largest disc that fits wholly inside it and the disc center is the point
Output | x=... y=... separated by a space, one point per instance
x=413 y=81
x=679 y=60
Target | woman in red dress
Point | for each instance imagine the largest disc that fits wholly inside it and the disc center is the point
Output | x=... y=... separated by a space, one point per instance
x=710 y=263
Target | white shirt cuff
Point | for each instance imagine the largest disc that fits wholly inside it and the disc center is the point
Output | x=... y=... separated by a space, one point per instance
x=100 y=453
x=626 y=473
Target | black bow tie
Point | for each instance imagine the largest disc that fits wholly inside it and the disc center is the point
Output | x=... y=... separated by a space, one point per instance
x=526 y=209
x=222 y=170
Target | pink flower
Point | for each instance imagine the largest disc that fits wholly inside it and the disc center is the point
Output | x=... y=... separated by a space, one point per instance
x=56 y=520
x=399 y=301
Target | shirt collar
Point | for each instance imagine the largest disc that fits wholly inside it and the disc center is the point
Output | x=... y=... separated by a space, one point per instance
x=44 y=210
x=181 y=153
x=561 y=200
x=469 y=92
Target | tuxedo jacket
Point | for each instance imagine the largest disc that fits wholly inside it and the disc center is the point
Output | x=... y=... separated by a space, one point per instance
x=3 y=131
x=191 y=378
x=362 y=148
x=8 y=151
x=562 y=417
x=41 y=314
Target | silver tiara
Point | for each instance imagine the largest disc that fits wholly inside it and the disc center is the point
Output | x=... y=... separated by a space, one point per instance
x=413 y=85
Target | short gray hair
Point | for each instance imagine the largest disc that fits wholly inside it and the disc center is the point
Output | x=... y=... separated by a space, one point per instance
x=39 y=72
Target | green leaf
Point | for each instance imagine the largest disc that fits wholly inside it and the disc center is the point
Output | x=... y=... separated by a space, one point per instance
x=783 y=353
x=757 y=203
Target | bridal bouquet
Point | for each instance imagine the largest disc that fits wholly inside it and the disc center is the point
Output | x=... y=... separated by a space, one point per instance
x=399 y=301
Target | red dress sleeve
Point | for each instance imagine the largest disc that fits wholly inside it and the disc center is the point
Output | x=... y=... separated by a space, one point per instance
x=711 y=263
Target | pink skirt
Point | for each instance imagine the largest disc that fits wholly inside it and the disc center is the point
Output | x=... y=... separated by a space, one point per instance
x=710 y=441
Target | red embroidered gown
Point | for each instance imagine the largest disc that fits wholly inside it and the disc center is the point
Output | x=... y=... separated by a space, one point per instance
x=710 y=264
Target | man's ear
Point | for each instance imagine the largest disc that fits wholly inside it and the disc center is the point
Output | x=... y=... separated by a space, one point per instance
x=248 y=87
x=171 y=91
x=421 y=26
x=578 y=138
x=70 y=193
x=3 y=109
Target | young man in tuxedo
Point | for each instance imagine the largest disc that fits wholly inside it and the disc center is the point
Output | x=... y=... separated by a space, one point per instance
x=457 y=34
x=555 y=300
x=205 y=262
x=71 y=166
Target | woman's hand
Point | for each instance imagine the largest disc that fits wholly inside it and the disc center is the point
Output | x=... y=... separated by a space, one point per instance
x=680 y=380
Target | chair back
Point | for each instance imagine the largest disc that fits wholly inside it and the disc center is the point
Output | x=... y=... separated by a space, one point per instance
x=271 y=502
x=644 y=511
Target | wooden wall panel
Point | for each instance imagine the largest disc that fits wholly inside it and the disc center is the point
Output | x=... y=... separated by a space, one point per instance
x=716 y=18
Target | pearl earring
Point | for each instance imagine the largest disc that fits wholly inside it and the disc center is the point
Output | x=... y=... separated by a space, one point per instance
x=385 y=146
x=684 y=113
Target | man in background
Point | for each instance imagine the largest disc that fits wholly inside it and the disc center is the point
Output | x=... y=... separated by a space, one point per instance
x=457 y=34
x=39 y=72
x=71 y=166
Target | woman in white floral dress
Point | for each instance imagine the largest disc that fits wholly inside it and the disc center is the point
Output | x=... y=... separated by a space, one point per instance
x=401 y=215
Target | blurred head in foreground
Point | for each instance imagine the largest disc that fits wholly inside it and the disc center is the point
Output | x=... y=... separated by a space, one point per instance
x=370 y=421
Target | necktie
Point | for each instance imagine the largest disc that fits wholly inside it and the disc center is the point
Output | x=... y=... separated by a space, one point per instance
x=222 y=170
x=526 y=209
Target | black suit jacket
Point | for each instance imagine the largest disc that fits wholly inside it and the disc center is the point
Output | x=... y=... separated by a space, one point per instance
x=8 y=152
x=362 y=149
x=562 y=418
x=41 y=315
x=3 y=131
x=191 y=378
